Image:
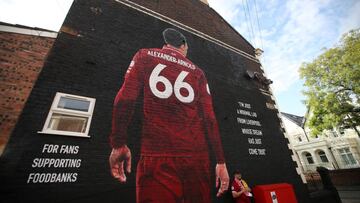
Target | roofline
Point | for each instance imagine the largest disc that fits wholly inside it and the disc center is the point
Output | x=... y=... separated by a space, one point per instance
x=233 y=28
x=283 y=113
x=189 y=29
x=292 y=121
x=20 y=29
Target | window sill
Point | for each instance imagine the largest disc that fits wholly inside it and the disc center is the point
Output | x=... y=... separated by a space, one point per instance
x=64 y=133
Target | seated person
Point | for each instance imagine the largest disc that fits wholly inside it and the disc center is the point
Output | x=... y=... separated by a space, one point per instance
x=240 y=190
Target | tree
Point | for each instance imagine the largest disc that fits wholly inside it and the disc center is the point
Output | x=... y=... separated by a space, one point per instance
x=332 y=82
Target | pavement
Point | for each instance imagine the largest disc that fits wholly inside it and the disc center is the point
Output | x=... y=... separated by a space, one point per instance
x=349 y=194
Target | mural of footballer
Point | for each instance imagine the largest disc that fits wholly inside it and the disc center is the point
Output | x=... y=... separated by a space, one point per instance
x=179 y=127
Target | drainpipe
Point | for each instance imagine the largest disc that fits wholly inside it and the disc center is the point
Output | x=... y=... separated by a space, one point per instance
x=300 y=162
x=335 y=164
x=306 y=135
x=303 y=125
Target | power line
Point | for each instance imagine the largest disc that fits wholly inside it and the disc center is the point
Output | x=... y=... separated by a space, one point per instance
x=251 y=22
x=257 y=19
x=246 y=20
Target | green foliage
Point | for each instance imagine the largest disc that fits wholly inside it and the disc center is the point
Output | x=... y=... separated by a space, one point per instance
x=332 y=84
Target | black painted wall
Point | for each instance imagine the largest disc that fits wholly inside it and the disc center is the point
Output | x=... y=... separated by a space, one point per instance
x=93 y=64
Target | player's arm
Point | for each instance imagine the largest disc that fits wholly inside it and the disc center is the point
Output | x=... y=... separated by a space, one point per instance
x=212 y=129
x=123 y=109
x=118 y=159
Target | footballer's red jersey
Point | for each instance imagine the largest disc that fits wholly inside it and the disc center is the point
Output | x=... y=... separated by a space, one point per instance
x=237 y=186
x=177 y=107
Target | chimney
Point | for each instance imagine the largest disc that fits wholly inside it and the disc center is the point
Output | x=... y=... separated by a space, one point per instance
x=258 y=53
x=205 y=2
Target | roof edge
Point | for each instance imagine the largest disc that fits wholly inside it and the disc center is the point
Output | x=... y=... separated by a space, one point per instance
x=233 y=28
x=25 y=30
x=287 y=115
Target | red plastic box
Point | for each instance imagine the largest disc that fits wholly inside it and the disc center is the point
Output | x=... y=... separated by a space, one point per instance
x=274 y=193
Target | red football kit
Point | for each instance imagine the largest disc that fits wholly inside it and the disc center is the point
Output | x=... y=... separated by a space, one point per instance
x=237 y=186
x=178 y=126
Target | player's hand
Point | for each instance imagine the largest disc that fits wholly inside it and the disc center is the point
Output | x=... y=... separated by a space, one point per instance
x=222 y=178
x=118 y=158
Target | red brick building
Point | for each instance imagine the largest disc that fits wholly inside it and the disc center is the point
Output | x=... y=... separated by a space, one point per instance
x=23 y=51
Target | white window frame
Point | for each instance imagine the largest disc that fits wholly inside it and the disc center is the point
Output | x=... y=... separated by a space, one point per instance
x=311 y=157
x=54 y=109
x=323 y=155
x=347 y=153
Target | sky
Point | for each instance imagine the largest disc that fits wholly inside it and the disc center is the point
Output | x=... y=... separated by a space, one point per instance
x=289 y=32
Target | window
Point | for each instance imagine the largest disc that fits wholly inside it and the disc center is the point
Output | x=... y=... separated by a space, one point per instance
x=309 y=158
x=342 y=131
x=346 y=156
x=323 y=157
x=334 y=133
x=69 y=115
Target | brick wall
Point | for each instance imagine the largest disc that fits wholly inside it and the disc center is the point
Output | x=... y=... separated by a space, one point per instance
x=202 y=17
x=21 y=60
x=90 y=58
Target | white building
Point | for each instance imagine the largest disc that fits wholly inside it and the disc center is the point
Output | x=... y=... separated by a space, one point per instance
x=333 y=150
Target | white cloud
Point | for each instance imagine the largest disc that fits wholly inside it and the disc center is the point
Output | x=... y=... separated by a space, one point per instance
x=228 y=10
x=286 y=51
x=233 y=11
x=48 y=14
x=352 y=20
x=292 y=33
